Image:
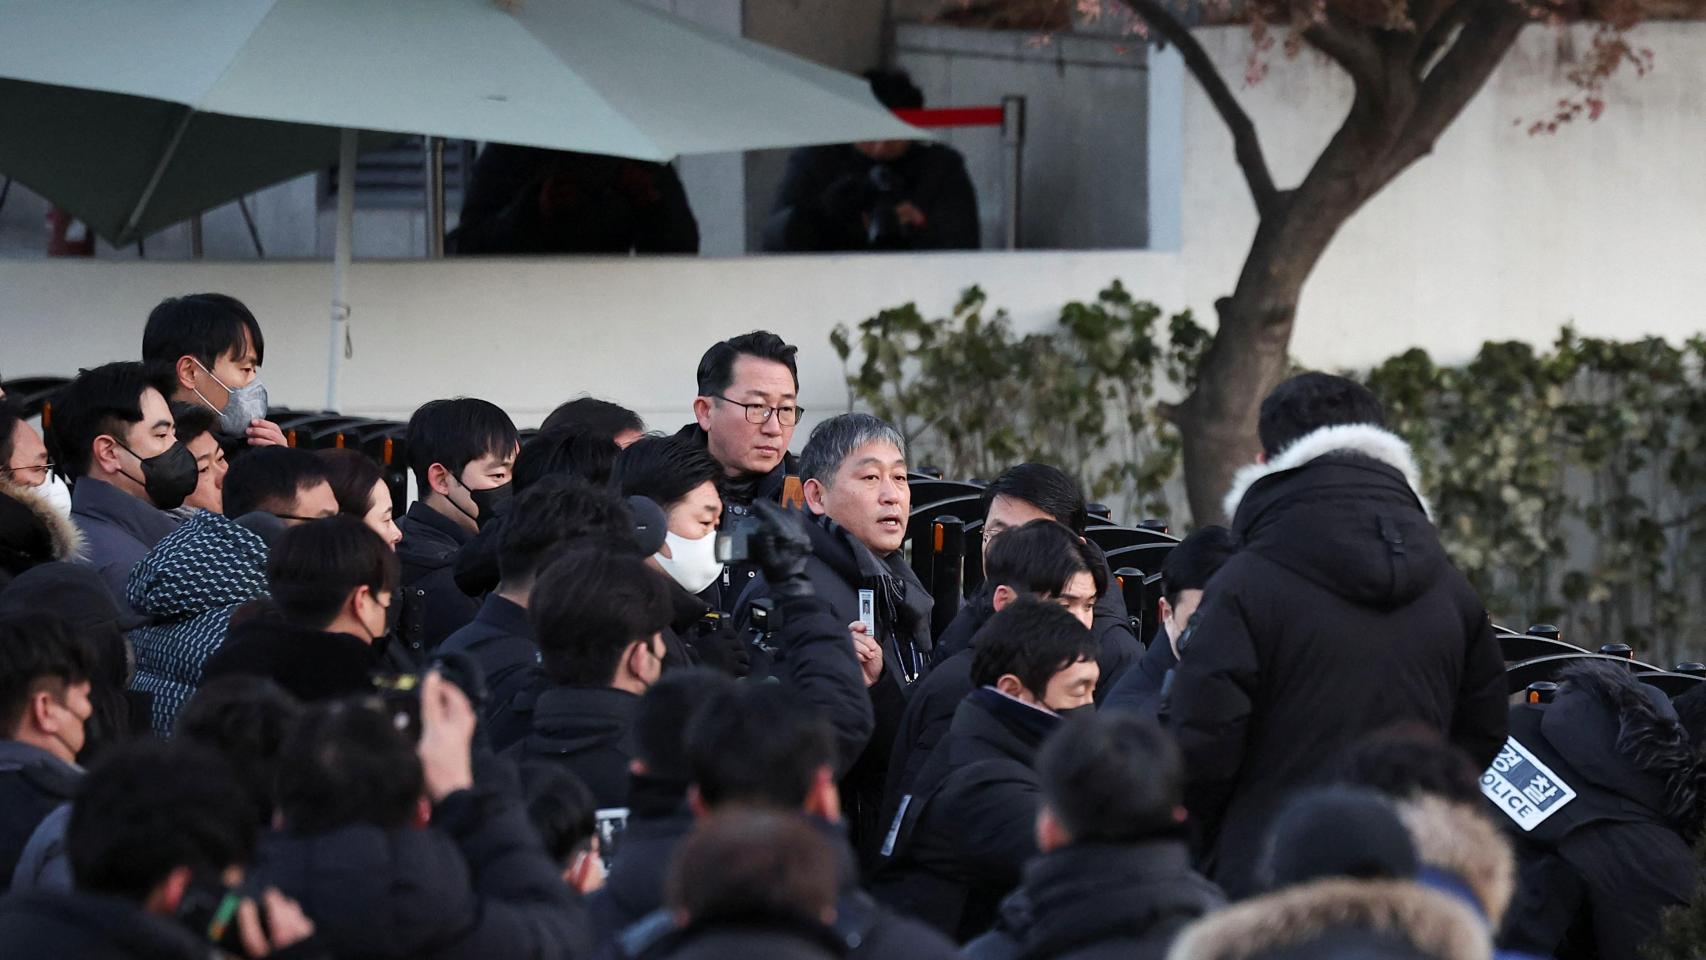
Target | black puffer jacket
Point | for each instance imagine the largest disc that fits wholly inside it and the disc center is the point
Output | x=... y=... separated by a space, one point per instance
x=434 y=607
x=1100 y=902
x=1339 y=615
x=91 y=927
x=1596 y=873
x=475 y=884
x=839 y=568
x=589 y=731
x=960 y=844
x=312 y=665
x=863 y=929
x=32 y=783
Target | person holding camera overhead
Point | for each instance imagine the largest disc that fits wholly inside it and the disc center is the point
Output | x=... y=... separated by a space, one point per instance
x=876 y=194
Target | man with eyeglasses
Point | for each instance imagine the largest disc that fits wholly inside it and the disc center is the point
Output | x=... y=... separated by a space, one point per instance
x=745 y=414
x=24 y=463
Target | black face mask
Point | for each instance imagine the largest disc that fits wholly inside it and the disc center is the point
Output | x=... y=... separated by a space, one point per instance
x=486 y=501
x=490 y=500
x=1067 y=713
x=167 y=478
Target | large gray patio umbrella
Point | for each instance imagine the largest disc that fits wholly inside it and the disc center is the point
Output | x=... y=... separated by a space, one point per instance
x=136 y=114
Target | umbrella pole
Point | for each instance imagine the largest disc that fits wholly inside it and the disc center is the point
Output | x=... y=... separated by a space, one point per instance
x=339 y=346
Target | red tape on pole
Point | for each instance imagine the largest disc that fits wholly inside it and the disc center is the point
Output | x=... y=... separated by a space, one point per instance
x=953 y=117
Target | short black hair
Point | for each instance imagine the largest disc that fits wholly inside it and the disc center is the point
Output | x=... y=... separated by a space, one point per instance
x=594 y=416
x=894 y=89
x=315 y=566
x=205 y=326
x=565 y=450
x=1044 y=487
x=38 y=650
x=152 y=806
x=665 y=714
x=1409 y=761
x=191 y=420
x=345 y=763
x=455 y=433
x=587 y=606
x=270 y=479
x=562 y=809
x=1032 y=640
x=1040 y=559
x=1112 y=778
x=103 y=401
x=761 y=744
x=666 y=469
x=1195 y=561
x=1309 y=401
x=559 y=513
x=753 y=867
x=246 y=719
x=717 y=366
x=352 y=475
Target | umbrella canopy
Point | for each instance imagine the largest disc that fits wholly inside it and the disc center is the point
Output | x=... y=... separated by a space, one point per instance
x=135 y=114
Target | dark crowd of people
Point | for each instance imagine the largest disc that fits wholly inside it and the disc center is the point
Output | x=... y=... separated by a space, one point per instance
x=621 y=693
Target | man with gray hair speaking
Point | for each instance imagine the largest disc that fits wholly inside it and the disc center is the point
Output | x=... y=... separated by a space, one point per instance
x=854 y=469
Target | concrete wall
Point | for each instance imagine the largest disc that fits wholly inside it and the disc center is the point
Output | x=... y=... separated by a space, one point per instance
x=1085 y=162
x=1497 y=234
x=528 y=334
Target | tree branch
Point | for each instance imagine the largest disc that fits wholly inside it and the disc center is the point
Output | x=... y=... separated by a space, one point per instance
x=1348 y=48
x=1439 y=33
x=1245 y=143
x=1487 y=35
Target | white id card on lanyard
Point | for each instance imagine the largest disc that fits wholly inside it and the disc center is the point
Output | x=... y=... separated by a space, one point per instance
x=868 y=612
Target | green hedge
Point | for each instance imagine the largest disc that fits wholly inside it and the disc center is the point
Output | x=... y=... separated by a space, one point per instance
x=1569 y=483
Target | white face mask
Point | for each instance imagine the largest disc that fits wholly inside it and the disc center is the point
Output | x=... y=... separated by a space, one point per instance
x=56 y=494
x=692 y=563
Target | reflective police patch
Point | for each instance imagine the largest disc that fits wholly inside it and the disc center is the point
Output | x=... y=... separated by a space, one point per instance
x=1523 y=787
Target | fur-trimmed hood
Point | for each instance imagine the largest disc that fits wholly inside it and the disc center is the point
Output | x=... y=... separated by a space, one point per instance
x=67 y=539
x=1431 y=923
x=1625 y=736
x=1460 y=840
x=1362 y=439
x=1340 y=508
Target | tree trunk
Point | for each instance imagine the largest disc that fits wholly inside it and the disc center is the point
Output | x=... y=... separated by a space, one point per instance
x=1409 y=88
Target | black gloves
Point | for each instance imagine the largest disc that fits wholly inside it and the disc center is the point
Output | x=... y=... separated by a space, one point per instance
x=781 y=547
x=717 y=644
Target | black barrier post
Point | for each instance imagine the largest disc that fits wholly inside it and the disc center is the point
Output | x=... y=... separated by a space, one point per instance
x=1130 y=581
x=947 y=567
x=1546 y=631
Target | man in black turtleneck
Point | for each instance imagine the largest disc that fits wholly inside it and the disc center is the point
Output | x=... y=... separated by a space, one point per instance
x=745 y=415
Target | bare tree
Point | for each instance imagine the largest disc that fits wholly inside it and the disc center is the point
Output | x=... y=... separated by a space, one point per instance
x=1414 y=66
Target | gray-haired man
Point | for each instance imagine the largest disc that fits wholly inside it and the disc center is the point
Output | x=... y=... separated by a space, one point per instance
x=854 y=468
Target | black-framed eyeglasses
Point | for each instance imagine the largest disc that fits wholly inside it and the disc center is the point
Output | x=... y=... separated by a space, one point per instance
x=756 y=413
